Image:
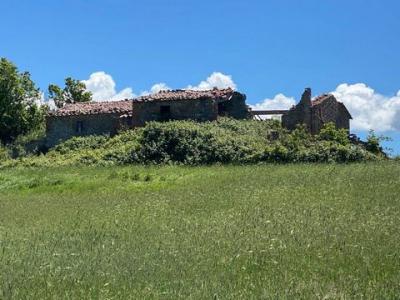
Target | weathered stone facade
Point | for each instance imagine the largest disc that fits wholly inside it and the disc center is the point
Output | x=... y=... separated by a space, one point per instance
x=84 y=119
x=192 y=105
x=314 y=114
x=96 y=118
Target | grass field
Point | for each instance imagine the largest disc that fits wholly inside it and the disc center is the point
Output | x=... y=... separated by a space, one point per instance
x=219 y=232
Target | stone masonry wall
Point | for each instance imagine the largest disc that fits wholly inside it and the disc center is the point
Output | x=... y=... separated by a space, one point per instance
x=199 y=110
x=237 y=107
x=62 y=128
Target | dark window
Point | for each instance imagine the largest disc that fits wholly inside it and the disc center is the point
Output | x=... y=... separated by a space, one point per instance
x=165 y=112
x=129 y=121
x=79 y=127
x=222 y=111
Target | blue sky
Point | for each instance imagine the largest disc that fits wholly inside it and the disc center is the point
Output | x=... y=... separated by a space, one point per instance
x=267 y=48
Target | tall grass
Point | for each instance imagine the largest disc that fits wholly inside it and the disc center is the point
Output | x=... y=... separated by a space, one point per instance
x=222 y=232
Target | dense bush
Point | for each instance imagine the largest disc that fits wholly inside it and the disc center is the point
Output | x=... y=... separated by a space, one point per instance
x=80 y=143
x=192 y=143
x=200 y=143
x=330 y=133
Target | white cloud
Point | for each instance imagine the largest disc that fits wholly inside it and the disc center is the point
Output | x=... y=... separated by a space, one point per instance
x=370 y=110
x=216 y=79
x=156 y=88
x=159 y=87
x=280 y=101
x=41 y=100
x=102 y=86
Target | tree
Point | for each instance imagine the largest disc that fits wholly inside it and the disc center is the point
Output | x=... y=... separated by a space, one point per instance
x=19 y=112
x=373 y=143
x=74 y=91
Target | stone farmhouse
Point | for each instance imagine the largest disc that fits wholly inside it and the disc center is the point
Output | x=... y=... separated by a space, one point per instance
x=107 y=118
x=96 y=118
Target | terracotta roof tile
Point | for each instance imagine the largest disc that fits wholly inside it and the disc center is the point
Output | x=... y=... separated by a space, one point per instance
x=173 y=95
x=320 y=99
x=93 y=108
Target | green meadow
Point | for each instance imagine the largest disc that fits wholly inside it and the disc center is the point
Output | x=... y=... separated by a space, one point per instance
x=324 y=231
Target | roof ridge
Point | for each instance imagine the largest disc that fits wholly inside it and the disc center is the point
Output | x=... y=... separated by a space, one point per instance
x=187 y=94
x=94 y=107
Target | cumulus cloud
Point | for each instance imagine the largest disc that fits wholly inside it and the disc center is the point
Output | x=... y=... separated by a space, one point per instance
x=158 y=87
x=280 y=101
x=216 y=79
x=370 y=110
x=41 y=100
x=102 y=86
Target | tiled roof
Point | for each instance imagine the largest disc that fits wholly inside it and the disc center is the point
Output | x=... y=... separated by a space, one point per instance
x=320 y=99
x=216 y=94
x=92 y=108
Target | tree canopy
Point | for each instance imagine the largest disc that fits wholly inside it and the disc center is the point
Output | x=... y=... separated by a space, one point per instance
x=74 y=91
x=19 y=111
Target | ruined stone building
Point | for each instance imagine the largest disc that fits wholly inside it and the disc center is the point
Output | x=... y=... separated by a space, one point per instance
x=315 y=113
x=95 y=118
x=312 y=113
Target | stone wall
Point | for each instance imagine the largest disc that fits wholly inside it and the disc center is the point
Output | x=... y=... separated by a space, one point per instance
x=198 y=110
x=343 y=119
x=62 y=128
x=236 y=107
x=299 y=114
x=323 y=113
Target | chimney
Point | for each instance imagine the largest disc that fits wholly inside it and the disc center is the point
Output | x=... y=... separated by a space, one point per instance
x=306 y=97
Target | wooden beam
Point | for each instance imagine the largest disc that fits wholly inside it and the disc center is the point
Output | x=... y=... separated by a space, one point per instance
x=268 y=112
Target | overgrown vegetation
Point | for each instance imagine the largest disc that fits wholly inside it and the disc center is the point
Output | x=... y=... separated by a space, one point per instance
x=22 y=112
x=191 y=143
x=19 y=112
x=295 y=231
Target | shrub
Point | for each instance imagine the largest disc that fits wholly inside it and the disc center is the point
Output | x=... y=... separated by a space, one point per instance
x=81 y=143
x=373 y=142
x=330 y=133
x=188 y=142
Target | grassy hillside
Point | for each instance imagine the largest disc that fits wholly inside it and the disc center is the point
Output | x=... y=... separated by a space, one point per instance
x=298 y=231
